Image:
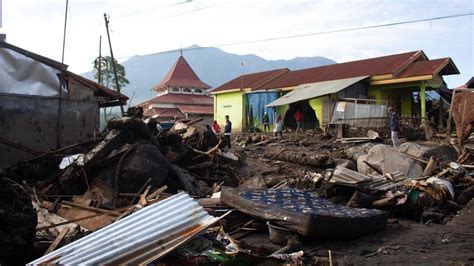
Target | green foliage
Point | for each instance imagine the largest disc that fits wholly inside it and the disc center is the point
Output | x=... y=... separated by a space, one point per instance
x=107 y=73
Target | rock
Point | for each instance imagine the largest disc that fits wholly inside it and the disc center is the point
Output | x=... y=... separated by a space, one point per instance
x=346 y=164
x=363 y=167
x=386 y=159
x=424 y=150
x=354 y=152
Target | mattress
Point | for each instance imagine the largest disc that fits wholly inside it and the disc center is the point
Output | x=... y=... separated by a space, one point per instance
x=305 y=212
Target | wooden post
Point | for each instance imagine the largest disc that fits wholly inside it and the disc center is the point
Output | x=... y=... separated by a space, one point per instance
x=57 y=240
x=431 y=166
x=423 y=100
x=450 y=117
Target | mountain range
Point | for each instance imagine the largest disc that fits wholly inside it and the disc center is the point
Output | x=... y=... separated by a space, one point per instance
x=213 y=66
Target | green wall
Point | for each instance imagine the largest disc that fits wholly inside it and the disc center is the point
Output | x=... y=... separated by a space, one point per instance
x=404 y=93
x=231 y=104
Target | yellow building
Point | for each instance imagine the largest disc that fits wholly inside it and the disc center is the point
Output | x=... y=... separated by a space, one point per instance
x=346 y=91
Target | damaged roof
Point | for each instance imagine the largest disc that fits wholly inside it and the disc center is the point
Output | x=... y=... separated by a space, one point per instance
x=99 y=90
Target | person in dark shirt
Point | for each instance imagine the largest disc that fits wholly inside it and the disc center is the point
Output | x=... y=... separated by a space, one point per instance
x=394 y=126
x=227 y=132
x=266 y=122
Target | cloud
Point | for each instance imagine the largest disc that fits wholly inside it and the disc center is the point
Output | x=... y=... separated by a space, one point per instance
x=149 y=26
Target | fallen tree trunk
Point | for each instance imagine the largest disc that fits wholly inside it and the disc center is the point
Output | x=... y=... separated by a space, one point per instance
x=316 y=160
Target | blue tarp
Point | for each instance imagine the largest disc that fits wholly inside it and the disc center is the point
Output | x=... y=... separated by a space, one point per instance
x=256 y=103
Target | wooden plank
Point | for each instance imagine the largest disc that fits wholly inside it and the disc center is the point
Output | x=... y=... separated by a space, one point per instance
x=56 y=241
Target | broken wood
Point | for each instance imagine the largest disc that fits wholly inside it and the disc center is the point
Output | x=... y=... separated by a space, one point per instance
x=187 y=180
x=316 y=160
x=117 y=175
x=372 y=167
x=192 y=122
x=57 y=240
x=431 y=166
x=20 y=147
x=414 y=158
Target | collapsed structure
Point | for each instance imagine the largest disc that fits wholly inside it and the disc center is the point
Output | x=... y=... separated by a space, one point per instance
x=43 y=106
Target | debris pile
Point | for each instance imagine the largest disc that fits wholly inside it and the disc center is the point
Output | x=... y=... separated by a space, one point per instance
x=178 y=196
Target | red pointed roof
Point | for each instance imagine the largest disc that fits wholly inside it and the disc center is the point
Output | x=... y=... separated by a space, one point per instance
x=181 y=75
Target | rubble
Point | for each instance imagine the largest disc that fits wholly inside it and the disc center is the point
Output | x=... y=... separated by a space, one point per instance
x=383 y=159
x=283 y=193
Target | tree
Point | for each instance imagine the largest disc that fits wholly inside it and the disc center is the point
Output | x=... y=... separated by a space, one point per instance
x=107 y=72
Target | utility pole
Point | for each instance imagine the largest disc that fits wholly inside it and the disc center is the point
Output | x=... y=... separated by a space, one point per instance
x=60 y=94
x=99 y=63
x=113 y=59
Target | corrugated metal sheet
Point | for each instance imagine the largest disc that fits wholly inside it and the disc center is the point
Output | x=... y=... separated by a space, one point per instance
x=360 y=115
x=139 y=238
x=313 y=90
x=429 y=67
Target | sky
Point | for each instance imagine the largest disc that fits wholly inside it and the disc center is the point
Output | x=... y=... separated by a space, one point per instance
x=149 y=26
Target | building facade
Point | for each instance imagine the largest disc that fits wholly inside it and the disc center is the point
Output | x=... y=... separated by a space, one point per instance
x=346 y=91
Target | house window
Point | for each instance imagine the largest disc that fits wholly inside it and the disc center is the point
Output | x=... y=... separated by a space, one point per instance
x=187 y=90
x=175 y=90
x=198 y=91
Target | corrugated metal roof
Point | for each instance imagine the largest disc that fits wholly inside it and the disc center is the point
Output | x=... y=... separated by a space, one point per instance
x=196 y=109
x=367 y=67
x=182 y=75
x=139 y=238
x=253 y=80
x=430 y=67
x=313 y=90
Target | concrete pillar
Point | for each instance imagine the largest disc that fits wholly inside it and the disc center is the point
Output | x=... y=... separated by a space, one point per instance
x=423 y=99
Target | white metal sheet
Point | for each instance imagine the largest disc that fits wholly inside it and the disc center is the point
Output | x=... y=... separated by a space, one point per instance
x=314 y=90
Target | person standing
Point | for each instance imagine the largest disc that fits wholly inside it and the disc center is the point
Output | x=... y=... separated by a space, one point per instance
x=227 y=132
x=278 y=130
x=394 y=126
x=216 y=128
x=298 y=118
x=266 y=122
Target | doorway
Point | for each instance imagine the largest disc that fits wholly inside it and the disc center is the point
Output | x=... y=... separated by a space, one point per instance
x=310 y=120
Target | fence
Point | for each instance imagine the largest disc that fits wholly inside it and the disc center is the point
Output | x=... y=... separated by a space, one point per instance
x=380 y=122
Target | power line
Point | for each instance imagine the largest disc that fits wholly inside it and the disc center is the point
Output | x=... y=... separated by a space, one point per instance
x=322 y=32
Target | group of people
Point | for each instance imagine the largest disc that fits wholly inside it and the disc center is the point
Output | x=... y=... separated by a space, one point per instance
x=298 y=116
x=227 y=130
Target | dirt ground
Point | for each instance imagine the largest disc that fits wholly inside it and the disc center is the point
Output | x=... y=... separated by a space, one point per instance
x=402 y=242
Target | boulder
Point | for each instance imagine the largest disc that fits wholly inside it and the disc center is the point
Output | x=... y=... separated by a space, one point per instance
x=354 y=152
x=363 y=167
x=387 y=159
x=346 y=164
x=424 y=150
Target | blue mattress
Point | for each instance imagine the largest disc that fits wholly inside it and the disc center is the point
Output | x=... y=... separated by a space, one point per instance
x=305 y=212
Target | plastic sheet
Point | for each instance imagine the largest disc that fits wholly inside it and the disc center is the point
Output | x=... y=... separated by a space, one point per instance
x=256 y=103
